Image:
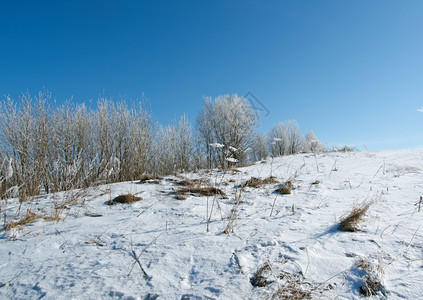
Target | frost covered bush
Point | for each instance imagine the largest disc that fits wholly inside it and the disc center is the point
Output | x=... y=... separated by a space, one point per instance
x=231 y=122
x=312 y=143
x=54 y=148
x=174 y=148
x=286 y=138
x=69 y=146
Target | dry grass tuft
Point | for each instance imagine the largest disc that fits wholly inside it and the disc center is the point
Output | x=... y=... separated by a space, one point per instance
x=372 y=282
x=292 y=290
x=192 y=182
x=128 y=198
x=257 y=182
x=285 y=189
x=181 y=197
x=233 y=214
x=202 y=191
x=260 y=277
x=150 y=179
x=350 y=222
x=29 y=218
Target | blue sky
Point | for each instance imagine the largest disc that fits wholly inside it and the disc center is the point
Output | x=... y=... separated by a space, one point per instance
x=350 y=70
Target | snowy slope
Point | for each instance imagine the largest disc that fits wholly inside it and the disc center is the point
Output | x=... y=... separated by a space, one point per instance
x=294 y=239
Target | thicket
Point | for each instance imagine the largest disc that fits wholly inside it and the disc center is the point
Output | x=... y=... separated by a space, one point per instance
x=54 y=148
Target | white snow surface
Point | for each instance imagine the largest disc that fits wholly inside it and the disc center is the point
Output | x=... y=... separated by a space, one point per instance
x=86 y=257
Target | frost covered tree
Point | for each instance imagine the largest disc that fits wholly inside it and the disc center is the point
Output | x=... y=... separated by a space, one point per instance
x=295 y=138
x=174 y=146
x=312 y=143
x=229 y=121
x=278 y=140
x=285 y=138
x=259 y=148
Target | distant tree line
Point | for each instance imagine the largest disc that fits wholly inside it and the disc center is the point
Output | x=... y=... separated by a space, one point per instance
x=70 y=146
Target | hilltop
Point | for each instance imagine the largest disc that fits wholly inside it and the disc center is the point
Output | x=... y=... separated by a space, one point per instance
x=237 y=241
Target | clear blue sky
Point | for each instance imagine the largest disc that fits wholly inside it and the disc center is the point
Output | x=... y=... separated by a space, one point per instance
x=350 y=70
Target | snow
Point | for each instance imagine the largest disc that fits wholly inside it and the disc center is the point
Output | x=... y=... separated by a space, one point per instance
x=232 y=159
x=86 y=257
x=217 y=145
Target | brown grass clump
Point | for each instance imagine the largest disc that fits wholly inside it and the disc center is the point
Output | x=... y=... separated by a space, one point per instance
x=259 y=278
x=191 y=182
x=285 y=189
x=128 y=198
x=30 y=217
x=202 y=191
x=292 y=290
x=150 y=178
x=350 y=222
x=181 y=197
x=257 y=182
x=372 y=282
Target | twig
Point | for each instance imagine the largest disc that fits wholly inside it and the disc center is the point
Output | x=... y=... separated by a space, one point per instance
x=6 y=283
x=378 y=171
x=237 y=262
x=143 y=250
x=274 y=201
x=420 y=202
x=66 y=242
x=147 y=208
x=317 y=165
x=146 y=277
x=308 y=262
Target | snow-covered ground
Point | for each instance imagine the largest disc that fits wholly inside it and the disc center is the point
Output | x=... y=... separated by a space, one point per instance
x=292 y=241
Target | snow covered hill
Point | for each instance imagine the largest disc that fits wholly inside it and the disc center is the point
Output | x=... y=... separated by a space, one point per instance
x=248 y=243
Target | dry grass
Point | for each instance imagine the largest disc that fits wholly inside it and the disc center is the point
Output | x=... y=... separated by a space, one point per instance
x=350 y=222
x=127 y=199
x=192 y=182
x=29 y=218
x=372 y=282
x=292 y=290
x=150 y=179
x=233 y=214
x=181 y=197
x=257 y=182
x=259 y=278
x=285 y=189
x=202 y=191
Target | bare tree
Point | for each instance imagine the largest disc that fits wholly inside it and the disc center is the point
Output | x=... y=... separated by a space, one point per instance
x=312 y=143
x=295 y=138
x=259 y=149
x=285 y=138
x=174 y=147
x=278 y=140
x=231 y=122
